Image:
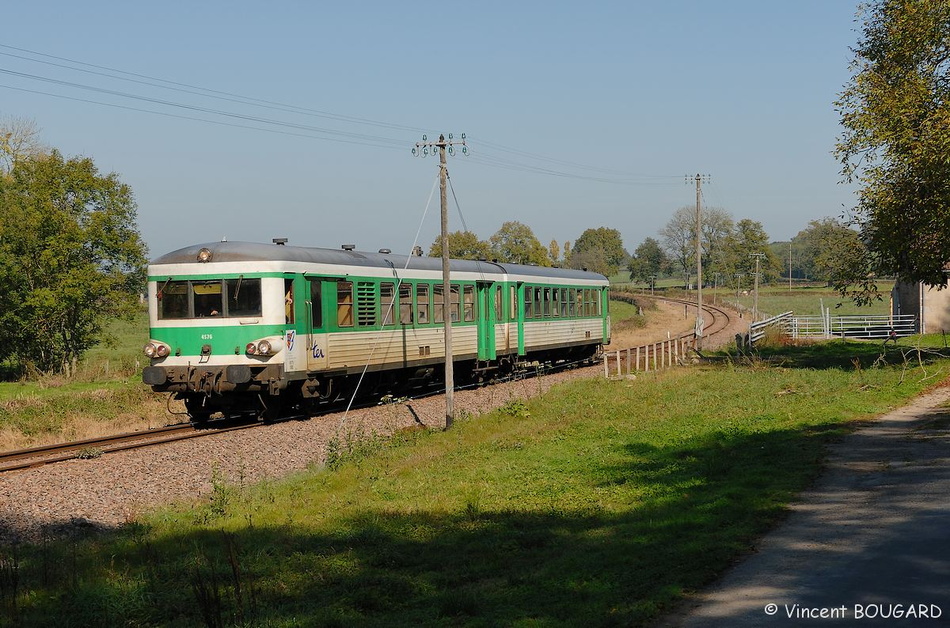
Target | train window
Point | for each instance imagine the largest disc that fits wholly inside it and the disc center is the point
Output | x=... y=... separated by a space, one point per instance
x=365 y=303
x=547 y=302
x=316 y=303
x=173 y=300
x=572 y=302
x=454 y=302
x=512 y=303
x=528 y=302
x=244 y=296
x=499 y=310
x=422 y=303
x=564 y=296
x=538 y=311
x=438 y=293
x=289 y=300
x=387 y=301
x=207 y=296
x=468 y=303
x=405 y=303
x=344 y=304
x=556 y=302
x=580 y=302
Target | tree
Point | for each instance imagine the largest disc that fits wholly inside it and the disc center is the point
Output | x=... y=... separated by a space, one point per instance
x=748 y=238
x=829 y=248
x=516 y=243
x=896 y=117
x=70 y=257
x=679 y=238
x=648 y=261
x=462 y=245
x=19 y=140
x=600 y=250
x=554 y=249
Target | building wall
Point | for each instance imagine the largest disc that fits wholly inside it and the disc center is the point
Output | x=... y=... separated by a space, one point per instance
x=932 y=306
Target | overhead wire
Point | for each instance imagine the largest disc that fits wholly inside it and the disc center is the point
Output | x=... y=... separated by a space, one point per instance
x=490 y=154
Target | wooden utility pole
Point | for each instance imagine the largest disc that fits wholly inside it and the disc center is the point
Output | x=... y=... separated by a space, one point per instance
x=755 y=299
x=422 y=150
x=699 y=259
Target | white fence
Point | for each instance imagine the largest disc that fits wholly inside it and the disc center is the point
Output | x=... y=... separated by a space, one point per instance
x=855 y=326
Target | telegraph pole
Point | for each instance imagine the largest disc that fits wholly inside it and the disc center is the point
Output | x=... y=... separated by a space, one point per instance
x=422 y=150
x=699 y=258
x=755 y=300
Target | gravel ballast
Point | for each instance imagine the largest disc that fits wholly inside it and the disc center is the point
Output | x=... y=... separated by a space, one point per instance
x=106 y=492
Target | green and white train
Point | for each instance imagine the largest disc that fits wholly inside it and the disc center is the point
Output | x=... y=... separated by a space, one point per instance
x=241 y=327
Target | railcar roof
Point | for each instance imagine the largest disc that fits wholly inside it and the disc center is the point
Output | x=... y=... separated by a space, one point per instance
x=257 y=251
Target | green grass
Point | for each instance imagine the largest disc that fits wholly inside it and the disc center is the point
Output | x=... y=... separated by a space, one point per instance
x=599 y=505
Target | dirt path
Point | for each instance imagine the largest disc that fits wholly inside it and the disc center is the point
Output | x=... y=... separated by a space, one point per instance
x=868 y=543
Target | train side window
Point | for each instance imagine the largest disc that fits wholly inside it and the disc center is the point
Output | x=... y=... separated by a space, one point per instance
x=564 y=294
x=387 y=301
x=538 y=300
x=572 y=302
x=454 y=302
x=547 y=302
x=580 y=302
x=512 y=303
x=499 y=296
x=468 y=303
x=528 y=302
x=438 y=299
x=556 y=302
x=244 y=297
x=316 y=303
x=405 y=303
x=344 y=304
x=422 y=303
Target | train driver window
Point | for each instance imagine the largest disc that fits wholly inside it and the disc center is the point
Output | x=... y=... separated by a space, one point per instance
x=172 y=300
x=207 y=295
x=244 y=296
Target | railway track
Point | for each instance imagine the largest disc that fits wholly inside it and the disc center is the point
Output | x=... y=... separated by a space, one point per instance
x=719 y=318
x=95 y=447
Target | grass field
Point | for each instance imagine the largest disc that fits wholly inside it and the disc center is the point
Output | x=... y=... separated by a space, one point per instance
x=600 y=504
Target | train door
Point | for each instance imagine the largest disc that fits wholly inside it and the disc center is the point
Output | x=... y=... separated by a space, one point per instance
x=316 y=323
x=523 y=297
x=295 y=346
x=486 y=319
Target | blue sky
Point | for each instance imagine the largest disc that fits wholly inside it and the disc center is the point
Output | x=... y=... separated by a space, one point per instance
x=577 y=115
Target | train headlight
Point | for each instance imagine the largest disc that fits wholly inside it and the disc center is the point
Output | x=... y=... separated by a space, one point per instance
x=264 y=347
x=204 y=255
x=156 y=349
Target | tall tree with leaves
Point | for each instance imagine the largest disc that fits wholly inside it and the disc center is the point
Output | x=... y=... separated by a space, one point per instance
x=895 y=112
x=515 y=242
x=70 y=258
x=600 y=250
x=462 y=245
x=648 y=261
